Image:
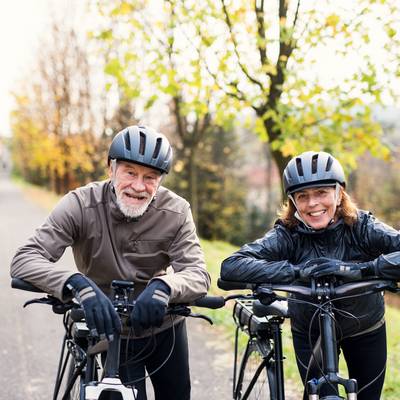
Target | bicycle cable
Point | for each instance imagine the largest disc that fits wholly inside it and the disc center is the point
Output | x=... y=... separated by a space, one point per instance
x=314 y=348
x=135 y=358
x=149 y=374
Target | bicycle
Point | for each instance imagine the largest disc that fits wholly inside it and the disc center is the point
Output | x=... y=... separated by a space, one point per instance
x=81 y=373
x=260 y=374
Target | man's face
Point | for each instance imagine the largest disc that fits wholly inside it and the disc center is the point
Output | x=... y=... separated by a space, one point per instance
x=317 y=206
x=135 y=186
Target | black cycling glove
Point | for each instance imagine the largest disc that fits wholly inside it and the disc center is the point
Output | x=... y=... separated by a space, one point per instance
x=101 y=317
x=151 y=305
x=319 y=267
x=388 y=266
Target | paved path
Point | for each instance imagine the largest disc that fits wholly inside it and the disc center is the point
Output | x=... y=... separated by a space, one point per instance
x=31 y=337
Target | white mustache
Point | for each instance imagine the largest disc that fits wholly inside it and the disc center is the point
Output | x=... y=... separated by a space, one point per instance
x=132 y=192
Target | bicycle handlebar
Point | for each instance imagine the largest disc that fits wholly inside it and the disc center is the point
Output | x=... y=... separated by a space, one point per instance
x=17 y=283
x=321 y=288
x=212 y=302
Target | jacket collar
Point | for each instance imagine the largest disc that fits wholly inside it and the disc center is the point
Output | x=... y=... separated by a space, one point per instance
x=303 y=229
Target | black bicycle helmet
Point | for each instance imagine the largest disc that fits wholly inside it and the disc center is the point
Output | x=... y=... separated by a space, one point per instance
x=143 y=146
x=311 y=169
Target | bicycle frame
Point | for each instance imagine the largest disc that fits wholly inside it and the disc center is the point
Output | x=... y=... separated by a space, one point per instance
x=266 y=335
x=84 y=349
x=331 y=359
x=111 y=381
x=324 y=292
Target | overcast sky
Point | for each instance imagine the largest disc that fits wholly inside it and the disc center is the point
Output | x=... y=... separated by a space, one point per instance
x=21 y=24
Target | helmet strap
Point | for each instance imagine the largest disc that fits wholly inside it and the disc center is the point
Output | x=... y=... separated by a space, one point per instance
x=113 y=164
x=297 y=213
x=337 y=193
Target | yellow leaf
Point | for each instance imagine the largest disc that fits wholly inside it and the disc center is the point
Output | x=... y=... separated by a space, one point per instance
x=288 y=148
x=332 y=20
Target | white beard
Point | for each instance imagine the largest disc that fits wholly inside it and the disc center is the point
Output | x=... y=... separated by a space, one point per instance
x=131 y=211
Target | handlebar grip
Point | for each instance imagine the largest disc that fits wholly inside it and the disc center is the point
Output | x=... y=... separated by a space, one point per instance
x=232 y=285
x=17 y=283
x=213 y=302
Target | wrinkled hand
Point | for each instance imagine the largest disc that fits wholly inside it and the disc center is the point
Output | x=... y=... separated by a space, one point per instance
x=101 y=317
x=319 y=267
x=151 y=306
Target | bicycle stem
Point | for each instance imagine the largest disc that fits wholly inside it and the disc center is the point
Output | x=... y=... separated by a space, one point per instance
x=111 y=369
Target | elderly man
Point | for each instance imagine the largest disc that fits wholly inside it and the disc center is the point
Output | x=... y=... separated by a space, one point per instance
x=129 y=228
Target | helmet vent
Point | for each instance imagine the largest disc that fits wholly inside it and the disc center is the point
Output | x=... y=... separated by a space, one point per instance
x=299 y=166
x=127 y=141
x=329 y=164
x=157 y=148
x=142 y=144
x=168 y=154
x=314 y=164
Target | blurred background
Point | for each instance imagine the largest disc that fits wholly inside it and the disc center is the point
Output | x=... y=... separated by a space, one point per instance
x=239 y=87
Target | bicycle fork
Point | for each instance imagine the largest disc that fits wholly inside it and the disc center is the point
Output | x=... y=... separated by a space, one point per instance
x=330 y=363
x=278 y=354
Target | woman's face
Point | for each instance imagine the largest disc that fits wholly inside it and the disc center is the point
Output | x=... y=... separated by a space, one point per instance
x=317 y=205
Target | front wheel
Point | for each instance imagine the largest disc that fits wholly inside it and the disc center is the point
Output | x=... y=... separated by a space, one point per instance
x=256 y=377
x=75 y=384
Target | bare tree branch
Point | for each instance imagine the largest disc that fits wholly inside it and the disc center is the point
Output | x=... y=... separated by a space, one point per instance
x=262 y=46
x=235 y=48
x=239 y=95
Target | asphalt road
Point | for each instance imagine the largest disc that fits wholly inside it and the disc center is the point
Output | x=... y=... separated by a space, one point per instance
x=31 y=337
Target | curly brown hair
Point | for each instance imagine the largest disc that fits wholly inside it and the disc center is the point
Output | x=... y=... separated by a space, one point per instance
x=347 y=210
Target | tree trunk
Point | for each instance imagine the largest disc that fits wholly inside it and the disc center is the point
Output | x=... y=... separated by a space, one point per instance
x=278 y=157
x=193 y=198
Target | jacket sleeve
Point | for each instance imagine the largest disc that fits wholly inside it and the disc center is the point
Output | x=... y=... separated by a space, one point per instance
x=35 y=261
x=382 y=243
x=378 y=238
x=190 y=279
x=263 y=261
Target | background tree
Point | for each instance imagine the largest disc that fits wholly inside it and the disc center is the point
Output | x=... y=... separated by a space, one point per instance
x=268 y=56
x=54 y=122
x=376 y=183
x=156 y=66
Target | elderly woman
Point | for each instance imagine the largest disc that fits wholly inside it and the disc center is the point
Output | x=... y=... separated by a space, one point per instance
x=321 y=232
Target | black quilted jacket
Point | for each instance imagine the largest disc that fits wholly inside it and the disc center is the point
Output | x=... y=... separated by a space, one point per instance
x=271 y=259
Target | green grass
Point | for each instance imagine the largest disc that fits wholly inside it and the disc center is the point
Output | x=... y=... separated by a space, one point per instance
x=392 y=381
x=215 y=252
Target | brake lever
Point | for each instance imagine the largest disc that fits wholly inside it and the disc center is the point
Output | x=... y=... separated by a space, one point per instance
x=179 y=310
x=201 y=316
x=187 y=312
x=43 y=300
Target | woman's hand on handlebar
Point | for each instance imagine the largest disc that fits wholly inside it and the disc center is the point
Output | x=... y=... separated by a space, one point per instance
x=319 y=267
